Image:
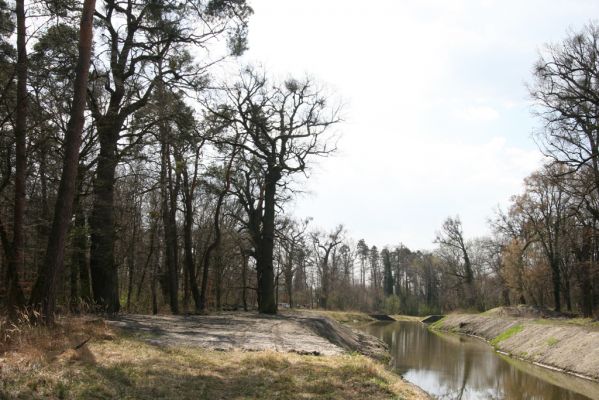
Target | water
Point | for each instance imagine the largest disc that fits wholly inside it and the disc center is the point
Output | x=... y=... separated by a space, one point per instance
x=452 y=366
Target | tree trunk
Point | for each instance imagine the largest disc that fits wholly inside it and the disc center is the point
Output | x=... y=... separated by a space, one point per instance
x=244 y=268
x=188 y=242
x=265 y=250
x=80 y=252
x=215 y=243
x=556 y=280
x=169 y=223
x=63 y=211
x=131 y=253
x=15 y=298
x=102 y=266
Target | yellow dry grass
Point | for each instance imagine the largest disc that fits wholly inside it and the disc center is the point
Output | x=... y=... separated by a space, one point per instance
x=42 y=364
x=344 y=317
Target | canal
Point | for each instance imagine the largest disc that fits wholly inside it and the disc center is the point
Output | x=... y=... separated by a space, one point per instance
x=452 y=366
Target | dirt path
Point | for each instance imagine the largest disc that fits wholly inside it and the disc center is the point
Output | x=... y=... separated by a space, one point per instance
x=303 y=334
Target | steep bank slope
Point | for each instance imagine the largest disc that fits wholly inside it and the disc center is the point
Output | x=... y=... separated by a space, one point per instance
x=552 y=343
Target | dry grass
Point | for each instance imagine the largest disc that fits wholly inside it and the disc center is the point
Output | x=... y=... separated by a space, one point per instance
x=400 y=317
x=42 y=363
x=344 y=317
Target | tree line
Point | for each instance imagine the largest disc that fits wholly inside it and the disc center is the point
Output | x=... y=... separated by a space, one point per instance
x=134 y=177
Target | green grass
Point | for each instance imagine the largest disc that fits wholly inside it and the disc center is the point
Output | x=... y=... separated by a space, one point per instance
x=552 y=341
x=508 y=333
x=438 y=325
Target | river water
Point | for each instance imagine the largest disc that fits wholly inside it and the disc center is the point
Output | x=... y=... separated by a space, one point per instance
x=452 y=366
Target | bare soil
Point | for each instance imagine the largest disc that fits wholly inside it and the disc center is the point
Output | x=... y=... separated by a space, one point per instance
x=297 y=333
x=525 y=311
x=84 y=357
x=554 y=343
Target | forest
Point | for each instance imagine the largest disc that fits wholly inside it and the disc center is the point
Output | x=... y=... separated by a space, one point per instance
x=143 y=169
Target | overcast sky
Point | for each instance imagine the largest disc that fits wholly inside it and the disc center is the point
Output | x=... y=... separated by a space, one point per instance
x=437 y=117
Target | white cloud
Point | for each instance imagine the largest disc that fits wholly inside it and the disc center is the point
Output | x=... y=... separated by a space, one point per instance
x=476 y=113
x=437 y=117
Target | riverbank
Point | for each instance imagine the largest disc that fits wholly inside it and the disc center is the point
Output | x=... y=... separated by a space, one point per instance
x=570 y=346
x=229 y=355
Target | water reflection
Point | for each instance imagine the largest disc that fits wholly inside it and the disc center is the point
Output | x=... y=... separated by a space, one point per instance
x=459 y=367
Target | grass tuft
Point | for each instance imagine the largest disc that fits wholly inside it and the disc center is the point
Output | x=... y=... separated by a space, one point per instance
x=508 y=333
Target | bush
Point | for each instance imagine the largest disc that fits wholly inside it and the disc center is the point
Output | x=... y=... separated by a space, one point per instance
x=392 y=305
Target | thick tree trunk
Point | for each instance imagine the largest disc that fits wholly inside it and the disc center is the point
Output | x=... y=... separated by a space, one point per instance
x=265 y=251
x=102 y=266
x=469 y=280
x=63 y=211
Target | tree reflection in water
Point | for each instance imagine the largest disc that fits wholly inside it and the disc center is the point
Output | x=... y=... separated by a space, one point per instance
x=459 y=367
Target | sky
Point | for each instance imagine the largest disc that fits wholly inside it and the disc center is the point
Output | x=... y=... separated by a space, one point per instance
x=437 y=121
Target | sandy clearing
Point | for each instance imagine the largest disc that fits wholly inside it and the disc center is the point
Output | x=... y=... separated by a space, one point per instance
x=304 y=334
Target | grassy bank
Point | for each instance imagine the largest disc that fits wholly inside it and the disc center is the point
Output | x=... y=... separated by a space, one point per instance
x=356 y=317
x=42 y=363
x=343 y=317
x=570 y=346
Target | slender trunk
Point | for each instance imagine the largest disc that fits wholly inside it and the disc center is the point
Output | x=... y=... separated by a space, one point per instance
x=131 y=252
x=567 y=294
x=80 y=255
x=153 y=289
x=584 y=260
x=556 y=280
x=218 y=284
x=216 y=241
x=15 y=296
x=74 y=285
x=244 y=268
x=188 y=243
x=169 y=223
x=586 y=290
x=148 y=259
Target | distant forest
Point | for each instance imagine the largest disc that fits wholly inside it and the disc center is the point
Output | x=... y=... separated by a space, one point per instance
x=134 y=177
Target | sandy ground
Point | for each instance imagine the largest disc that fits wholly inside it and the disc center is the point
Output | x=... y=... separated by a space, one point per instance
x=553 y=343
x=303 y=334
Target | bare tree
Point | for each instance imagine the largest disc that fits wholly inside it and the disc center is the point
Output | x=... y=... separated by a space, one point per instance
x=451 y=237
x=566 y=91
x=323 y=246
x=279 y=129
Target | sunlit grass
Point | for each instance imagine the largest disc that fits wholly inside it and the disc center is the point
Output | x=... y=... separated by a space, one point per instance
x=113 y=365
x=345 y=317
x=508 y=333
